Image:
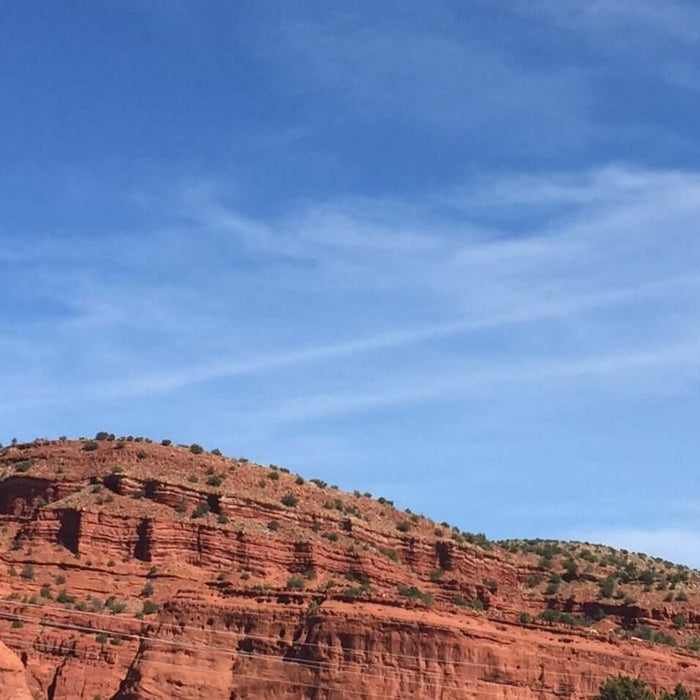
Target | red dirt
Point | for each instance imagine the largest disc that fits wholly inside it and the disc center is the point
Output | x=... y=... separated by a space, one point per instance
x=325 y=598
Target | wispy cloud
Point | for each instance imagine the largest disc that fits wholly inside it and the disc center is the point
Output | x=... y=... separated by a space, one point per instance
x=439 y=72
x=669 y=19
x=177 y=379
x=608 y=253
x=483 y=381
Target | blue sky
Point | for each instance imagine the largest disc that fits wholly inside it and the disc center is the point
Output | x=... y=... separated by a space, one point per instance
x=445 y=252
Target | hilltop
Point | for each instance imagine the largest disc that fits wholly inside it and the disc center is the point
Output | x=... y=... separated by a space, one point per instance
x=135 y=569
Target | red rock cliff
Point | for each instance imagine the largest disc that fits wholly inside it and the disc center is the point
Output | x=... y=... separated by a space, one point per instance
x=136 y=570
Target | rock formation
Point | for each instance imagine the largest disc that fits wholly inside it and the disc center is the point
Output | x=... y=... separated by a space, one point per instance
x=13 y=682
x=135 y=570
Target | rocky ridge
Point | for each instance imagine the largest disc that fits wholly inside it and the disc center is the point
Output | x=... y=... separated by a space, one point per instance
x=130 y=569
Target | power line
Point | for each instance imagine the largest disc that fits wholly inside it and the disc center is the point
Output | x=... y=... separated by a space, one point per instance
x=311 y=665
x=154 y=640
x=316 y=686
x=277 y=640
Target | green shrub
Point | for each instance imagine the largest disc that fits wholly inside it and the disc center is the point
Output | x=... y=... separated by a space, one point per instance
x=273 y=525
x=114 y=605
x=607 y=587
x=289 y=500
x=196 y=449
x=525 y=618
x=201 y=510
x=391 y=554
x=571 y=569
x=166 y=443
x=647 y=634
x=409 y=592
x=550 y=616
x=216 y=451
x=90 y=445
x=222 y=519
x=403 y=526
x=491 y=585
x=64 y=597
x=415 y=593
x=647 y=577
x=142 y=454
x=147 y=590
x=679 y=693
x=355 y=591
x=214 y=481
x=295 y=583
x=599 y=614
x=27 y=572
x=149 y=607
x=552 y=588
x=663 y=638
x=679 y=621
x=624 y=688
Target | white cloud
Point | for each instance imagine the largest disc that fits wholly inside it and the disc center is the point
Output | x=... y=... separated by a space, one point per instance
x=610 y=262
x=439 y=72
x=668 y=19
x=484 y=381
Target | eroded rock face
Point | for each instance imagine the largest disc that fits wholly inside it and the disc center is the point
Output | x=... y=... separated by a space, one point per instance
x=141 y=571
x=13 y=682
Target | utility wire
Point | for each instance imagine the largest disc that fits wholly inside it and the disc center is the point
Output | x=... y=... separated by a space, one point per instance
x=311 y=665
x=316 y=686
x=278 y=640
